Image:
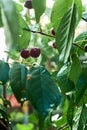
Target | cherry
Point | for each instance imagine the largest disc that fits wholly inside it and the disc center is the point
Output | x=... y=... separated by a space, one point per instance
x=54 y=45
x=28 y=4
x=35 y=52
x=25 y=53
x=52 y=32
x=85 y=47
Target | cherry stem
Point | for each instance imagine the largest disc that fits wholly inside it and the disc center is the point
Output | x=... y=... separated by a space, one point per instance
x=48 y=35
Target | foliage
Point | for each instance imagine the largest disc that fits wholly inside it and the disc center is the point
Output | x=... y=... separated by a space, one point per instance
x=54 y=82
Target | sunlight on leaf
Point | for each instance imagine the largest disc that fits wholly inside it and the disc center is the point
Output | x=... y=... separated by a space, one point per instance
x=65 y=33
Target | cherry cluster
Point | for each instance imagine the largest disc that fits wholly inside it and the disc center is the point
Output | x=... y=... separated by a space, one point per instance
x=53 y=33
x=33 y=52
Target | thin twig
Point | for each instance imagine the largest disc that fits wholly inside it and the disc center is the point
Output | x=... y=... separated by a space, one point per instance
x=48 y=35
x=84 y=19
x=75 y=43
x=1 y=122
x=4 y=91
x=78 y=46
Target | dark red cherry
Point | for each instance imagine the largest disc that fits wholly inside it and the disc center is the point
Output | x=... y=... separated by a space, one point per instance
x=85 y=47
x=35 y=52
x=25 y=53
x=28 y=4
x=54 y=45
x=52 y=32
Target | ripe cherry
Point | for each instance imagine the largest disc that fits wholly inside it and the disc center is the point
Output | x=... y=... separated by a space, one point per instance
x=85 y=47
x=35 y=52
x=54 y=45
x=52 y=32
x=25 y=53
x=28 y=4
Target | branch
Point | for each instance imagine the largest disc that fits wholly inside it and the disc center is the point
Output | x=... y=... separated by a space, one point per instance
x=48 y=35
x=84 y=19
x=4 y=91
x=4 y=125
x=75 y=43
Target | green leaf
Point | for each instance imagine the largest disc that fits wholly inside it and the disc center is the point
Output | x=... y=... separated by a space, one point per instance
x=9 y=18
x=81 y=118
x=84 y=16
x=4 y=111
x=79 y=9
x=41 y=90
x=4 y=72
x=66 y=85
x=64 y=107
x=29 y=126
x=17 y=75
x=81 y=40
x=41 y=122
x=59 y=9
x=5 y=101
x=65 y=33
x=1 y=24
x=81 y=86
x=19 y=7
x=75 y=69
x=39 y=7
x=24 y=36
x=70 y=111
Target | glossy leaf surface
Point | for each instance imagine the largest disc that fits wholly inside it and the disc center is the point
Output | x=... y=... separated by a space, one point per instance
x=65 y=34
x=4 y=72
x=17 y=74
x=56 y=16
x=75 y=69
x=81 y=118
x=59 y=8
x=81 y=40
x=4 y=111
x=65 y=83
x=81 y=86
x=70 y=111
x=41 y=90
x=24 y=36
